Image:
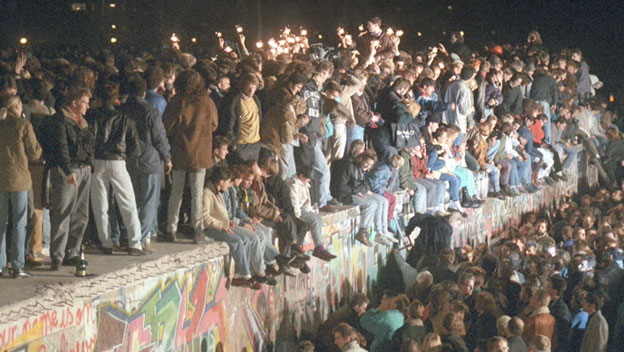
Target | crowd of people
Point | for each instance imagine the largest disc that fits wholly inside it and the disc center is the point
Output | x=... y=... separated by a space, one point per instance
x=249 y=146
x=544 y=286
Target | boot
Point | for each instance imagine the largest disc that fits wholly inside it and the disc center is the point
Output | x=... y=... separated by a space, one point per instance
x=466 y=200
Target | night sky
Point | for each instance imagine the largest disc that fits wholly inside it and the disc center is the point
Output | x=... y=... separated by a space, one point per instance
x=593 y=26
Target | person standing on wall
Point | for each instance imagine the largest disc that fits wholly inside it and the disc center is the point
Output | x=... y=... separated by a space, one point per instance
x=18 y=146
x=70 y=158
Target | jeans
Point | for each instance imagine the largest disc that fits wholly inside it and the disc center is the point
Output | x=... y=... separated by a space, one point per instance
x=287 y=162
x=453 y=182
x=239 y=248
x=69 y=213
x=381 y=213
x=270 y=252
x=113 y=173
x=322 y=174
x=570 y=156
x=355 y=132
x=147 y=193
x=467 y=179
x=196 y=178
x=315 y=223
x=435 y=191
x=45 y=228
x=368 y=209
x=257 y=243
x=419 y=199
x=520 y=172
x=494 y=178
x=18 y=203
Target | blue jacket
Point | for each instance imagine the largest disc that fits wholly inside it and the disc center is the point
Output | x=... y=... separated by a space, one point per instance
x=157 y=101
x=378 y=177
x=433 y=163
x=230 y=198
x=154 y=144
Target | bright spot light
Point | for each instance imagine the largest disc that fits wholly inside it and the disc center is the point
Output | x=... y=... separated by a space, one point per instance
x=259 y=45
x=194 y=40
x=113 y=26
x=419 y=34
x=611 y=98
x=320 y=36
x=112 y=5
x=450 y=8
x=113 y=40
x=23 y=41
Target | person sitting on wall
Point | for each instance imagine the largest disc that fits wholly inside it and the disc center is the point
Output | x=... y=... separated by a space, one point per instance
x=246 y=247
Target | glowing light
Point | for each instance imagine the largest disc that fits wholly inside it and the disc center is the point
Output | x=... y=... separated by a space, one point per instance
x=419 y=34
x=228 y=49
x=304 y=32
x=450 y=8
x=113 y=26
x=239 y=29
x=399 y=33
x=259 y=45
x=611 y=98
x=389 y=31
x=174 y=38
x=286 y=31
x=194 y=40
x=361 y=28
x=218 y=34
x=461 y=33
x=112 y=5
x=113 y=40
x=320 y=36
x=23 y=41
x=341 y=31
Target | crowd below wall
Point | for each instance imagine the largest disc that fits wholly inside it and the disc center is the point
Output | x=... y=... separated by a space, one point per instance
x=253 y=145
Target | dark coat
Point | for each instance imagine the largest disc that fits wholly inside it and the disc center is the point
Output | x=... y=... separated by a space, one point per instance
x=348 y=179
x=563 y=320
x=456 y=342
x=68 y=146
x=516 y=344
x=115 y=135
x=151 y=131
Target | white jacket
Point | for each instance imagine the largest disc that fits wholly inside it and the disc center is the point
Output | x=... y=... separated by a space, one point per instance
x=459 y=93
x=299 y=195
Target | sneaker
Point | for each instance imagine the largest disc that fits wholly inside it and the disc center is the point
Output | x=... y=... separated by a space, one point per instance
x=266 y=279
x=382 y=240
x=45 y=252
x=241 y=282
x=271 y=270
x=136 y=252
x=323 y=254
x=298 y=251
x=20 y=274
x=390 y=237
x=361 y=236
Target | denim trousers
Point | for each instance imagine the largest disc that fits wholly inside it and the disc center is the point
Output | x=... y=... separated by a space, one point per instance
x=454 y=183
x=493 y=178
x=147 y=193
x=368 y=210
x=17 y=202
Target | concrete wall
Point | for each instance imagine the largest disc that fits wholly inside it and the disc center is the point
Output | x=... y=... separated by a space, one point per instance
x=182 y=303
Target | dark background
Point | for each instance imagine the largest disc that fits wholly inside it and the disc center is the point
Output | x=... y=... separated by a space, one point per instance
x=593 y=26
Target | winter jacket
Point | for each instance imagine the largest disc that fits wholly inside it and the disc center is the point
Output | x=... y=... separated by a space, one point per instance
x=540 y=322
x=544 y=88
x=18 y=146
x=151 y=132
x=347 y=181
x=115 y=135
x=190 y=124
x=215 y=214
x=459 y=93
x=279 y=125
x=596 y=334
x=512 y=99
x=68 y=145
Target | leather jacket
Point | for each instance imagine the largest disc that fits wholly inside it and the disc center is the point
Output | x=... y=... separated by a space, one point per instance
x=116 y=137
